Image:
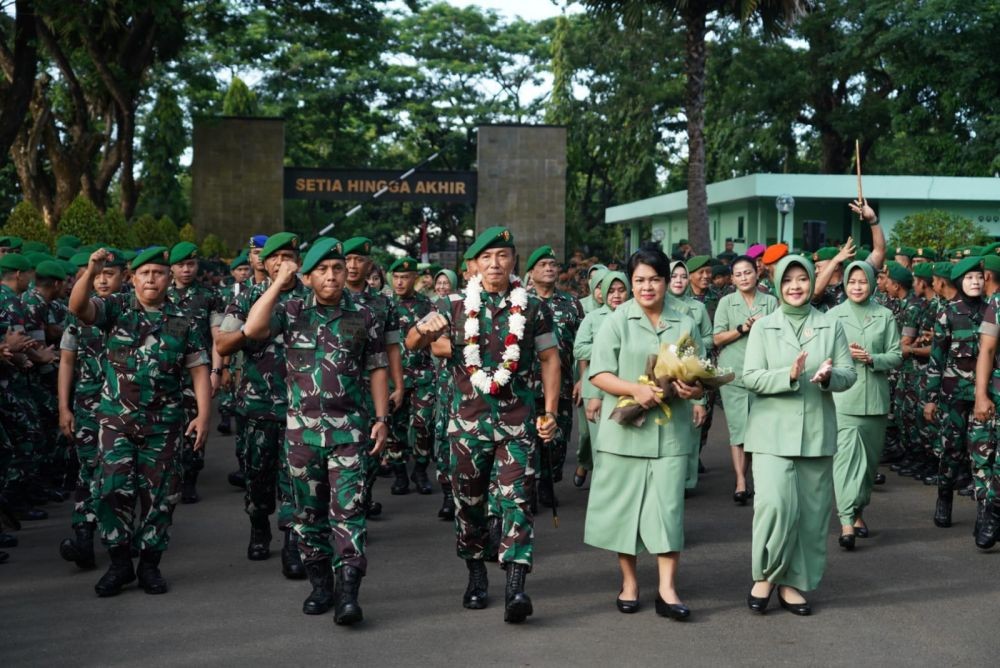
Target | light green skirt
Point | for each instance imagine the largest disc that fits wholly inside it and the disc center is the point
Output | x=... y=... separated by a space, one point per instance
x=791 y=512
x=636 y=504
x=860 y=439
x=736 y=404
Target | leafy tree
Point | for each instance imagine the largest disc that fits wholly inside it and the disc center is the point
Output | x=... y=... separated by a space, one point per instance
x=213 y=247
x=937 y=229
x=116 y=230
x=187 y=233
x=26 y=222
x=164 y=139
x=167 y=232
x=143 y=232
x=239 y=100
x=83 y=220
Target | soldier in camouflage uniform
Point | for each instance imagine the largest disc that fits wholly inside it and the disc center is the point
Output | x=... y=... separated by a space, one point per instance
x=330 y=341
x=239 y=271
x=567 y=314
x=702 y=291
x=412 y=429
x=262 y=403
x=150 y=348
x=983 y=446
x=81 y=378
x=951 y=381
x=198 y=302
x=446 y=287
x=917 y=333
x=495 y=332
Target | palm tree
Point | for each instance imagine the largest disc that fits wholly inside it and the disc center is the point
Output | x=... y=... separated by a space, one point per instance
x=773 y=15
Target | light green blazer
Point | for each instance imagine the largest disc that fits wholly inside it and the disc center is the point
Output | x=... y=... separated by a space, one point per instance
x=879 y=335
x=696 y=311
x=583 y=345
x=794 y=419
x=622 y=345
x=732 y=311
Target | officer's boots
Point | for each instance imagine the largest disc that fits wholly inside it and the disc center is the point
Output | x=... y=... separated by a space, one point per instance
x=981 y=510
x=345 y=596
x=79 y=549
x=942 y=511
x=120 y=572
x=259 y=548
x=291 y=560
x=150 y=579
x=189 y=491
x=990 y=527
x=321 y=578
x=494 y=529
x=476 y=592
x=402 y=484
x=518 y=605
x=447 y=511
x=420 y=479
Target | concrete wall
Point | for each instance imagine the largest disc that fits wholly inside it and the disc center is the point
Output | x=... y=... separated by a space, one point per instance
x=238 y=177
x=522 y=184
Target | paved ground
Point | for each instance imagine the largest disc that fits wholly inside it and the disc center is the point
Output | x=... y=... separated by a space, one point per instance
x=910 y=595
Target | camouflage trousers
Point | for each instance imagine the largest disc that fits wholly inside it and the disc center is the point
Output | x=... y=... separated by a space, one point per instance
x=86 y=432
x=508 y=468
x=557 y=448
x=956 y=425
x=18 y=416
x=985 y=467
x=412 y=429
x=130 y=466
x=268 y=485
x=442 y=442
x=192 y=461
x=328 y=488
x=892 y=435
x=50 y=459
x=240 y=442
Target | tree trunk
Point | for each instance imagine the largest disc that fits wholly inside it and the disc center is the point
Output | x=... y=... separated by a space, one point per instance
x=19 y=68
x=694 y=67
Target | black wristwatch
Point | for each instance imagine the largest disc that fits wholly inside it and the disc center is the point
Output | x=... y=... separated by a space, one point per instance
x=384 y=419
x=740 y=330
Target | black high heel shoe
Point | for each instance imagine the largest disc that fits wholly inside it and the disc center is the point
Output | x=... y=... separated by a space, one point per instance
x=677 y=611
x=578 y=479
x=861 y=532
x=741 y=497
x=628 y=607
x=759 y=604
x=846 y=541
x=800 y=609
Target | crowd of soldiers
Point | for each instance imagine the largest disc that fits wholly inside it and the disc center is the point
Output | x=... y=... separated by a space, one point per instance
x=110 y=360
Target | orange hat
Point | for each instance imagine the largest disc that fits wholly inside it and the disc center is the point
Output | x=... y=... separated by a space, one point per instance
x=775 y=253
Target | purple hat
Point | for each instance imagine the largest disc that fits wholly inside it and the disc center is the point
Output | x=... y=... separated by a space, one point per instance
x=756 y=251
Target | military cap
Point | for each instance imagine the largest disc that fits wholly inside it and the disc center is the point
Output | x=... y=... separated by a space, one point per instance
x=80 y=260
x=69 y=240
x=900 y=274
x=65 y=252
x=491 y=237
x=35 y=247
x=68 y=267
x=464 y=266
x=756 y=251
x=129 y=255
x=239 y=261
x=277 y=242
x=992 y=263
x=943 y=269
x=50 y=269
x=541 y=253
x=697 y=262
x=959 y=253
x=965 y=266
x=926 y=253
x=14 y=262
x=862 y=254
x=35 y=257
x=825 y=253
x=89 y=248
x=404 y=264
x=184 y=250
x=324 y=248
x=152 y=255
x=11 y=242
x=775 y=253
x=683 y=242
x=991 y=249
x=117 y=259
x=357 y=246
x=258 y=240
x=720 y=270
x=925 y=270
x=906 y=251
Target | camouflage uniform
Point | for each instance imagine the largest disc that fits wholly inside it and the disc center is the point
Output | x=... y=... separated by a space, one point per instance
x=328 y=351
x=142 y=417
x=951 y=385
x=17 y=412
x=493 y=436
x=710 y=300
x=917 y=318
x=412 y=429
x=41 y=318
x=832 y=296
x=442 y=405
x=983 y=444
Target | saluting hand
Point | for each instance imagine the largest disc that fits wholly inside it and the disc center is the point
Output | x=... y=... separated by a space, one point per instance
x=98 y=258
x=798 y=366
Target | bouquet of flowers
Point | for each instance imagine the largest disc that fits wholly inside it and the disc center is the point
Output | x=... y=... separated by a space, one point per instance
x=676 y=361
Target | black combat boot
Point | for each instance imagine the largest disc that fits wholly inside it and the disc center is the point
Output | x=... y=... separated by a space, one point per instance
x=420 y=480
x=291 y=560
x=518 y=605
x=987 y=535
x=150 y=579
x=981 y=510
x=345 y=596
x=225 y=426
x=447 y=511
x=259 y=548
x=237 y=479
x=402 y=483
x=475 y=596
x=119 y=574
x=189 y=491
x=942 y=511
x=494 y=527
x=321 y=578
x=7 y=514
x=8 y=540
x=81 y=548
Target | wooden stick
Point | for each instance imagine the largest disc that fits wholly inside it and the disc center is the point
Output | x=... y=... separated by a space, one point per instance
x=857 y=161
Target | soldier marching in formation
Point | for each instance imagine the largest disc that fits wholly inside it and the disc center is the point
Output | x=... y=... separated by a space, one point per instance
x=109 y=360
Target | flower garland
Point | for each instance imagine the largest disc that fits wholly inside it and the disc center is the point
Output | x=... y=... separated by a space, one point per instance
x=484 y=382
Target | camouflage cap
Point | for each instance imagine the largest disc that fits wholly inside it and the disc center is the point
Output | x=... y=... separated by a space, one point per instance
x=279 y=241
x=403 y=264
x=184 y=250
x=541 y=253
x=357 y=246
x=491 y=237
x=14 y=262
x=50 y=269
x=960 y=269
x=324 y=248
x=152 y=255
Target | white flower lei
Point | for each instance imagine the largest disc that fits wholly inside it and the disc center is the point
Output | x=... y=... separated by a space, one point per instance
x=484 y=382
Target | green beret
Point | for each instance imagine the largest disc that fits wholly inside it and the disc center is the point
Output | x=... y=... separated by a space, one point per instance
x=80 y=260
x=697 y=262
x=69 y=267
x=35 y=257
x=14 y=262
x=862 y=254
x=720 y=270
x=927 y=253
x=129 y=255
x=69 y=240
x=65 y=252
x=118 y=258
x=541 y=253
x=943 y=269
x=491 y=237
x=464 y=267
x=925 y=270
x=682 y=242
x=50 y=269
x=184 y=250
x=992 y=263
x=357 y=246
x=900 y=274
x=153 y=255
x=975 y=251
x=906 y=251
x=404 y=264
x=991 y=249
x=10 y=242
x=239 y=261
x=825 y=253
x=279 y=241
x=35 y=247
x=324 y=248
x=965 y=266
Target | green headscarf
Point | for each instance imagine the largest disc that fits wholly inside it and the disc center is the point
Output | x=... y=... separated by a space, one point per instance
x=452 y=278
x=857 y=309
x=596 y=276
x=609 y=278
x=796 y=314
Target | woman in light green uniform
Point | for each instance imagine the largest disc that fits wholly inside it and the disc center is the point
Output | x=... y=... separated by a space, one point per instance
x=614 y=287
x=873 y=338
x=636 y=498
x=796 y=358
x=734 y=318
x=594 y=300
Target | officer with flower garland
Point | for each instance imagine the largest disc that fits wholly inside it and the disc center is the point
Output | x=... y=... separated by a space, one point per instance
x=495 y=334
